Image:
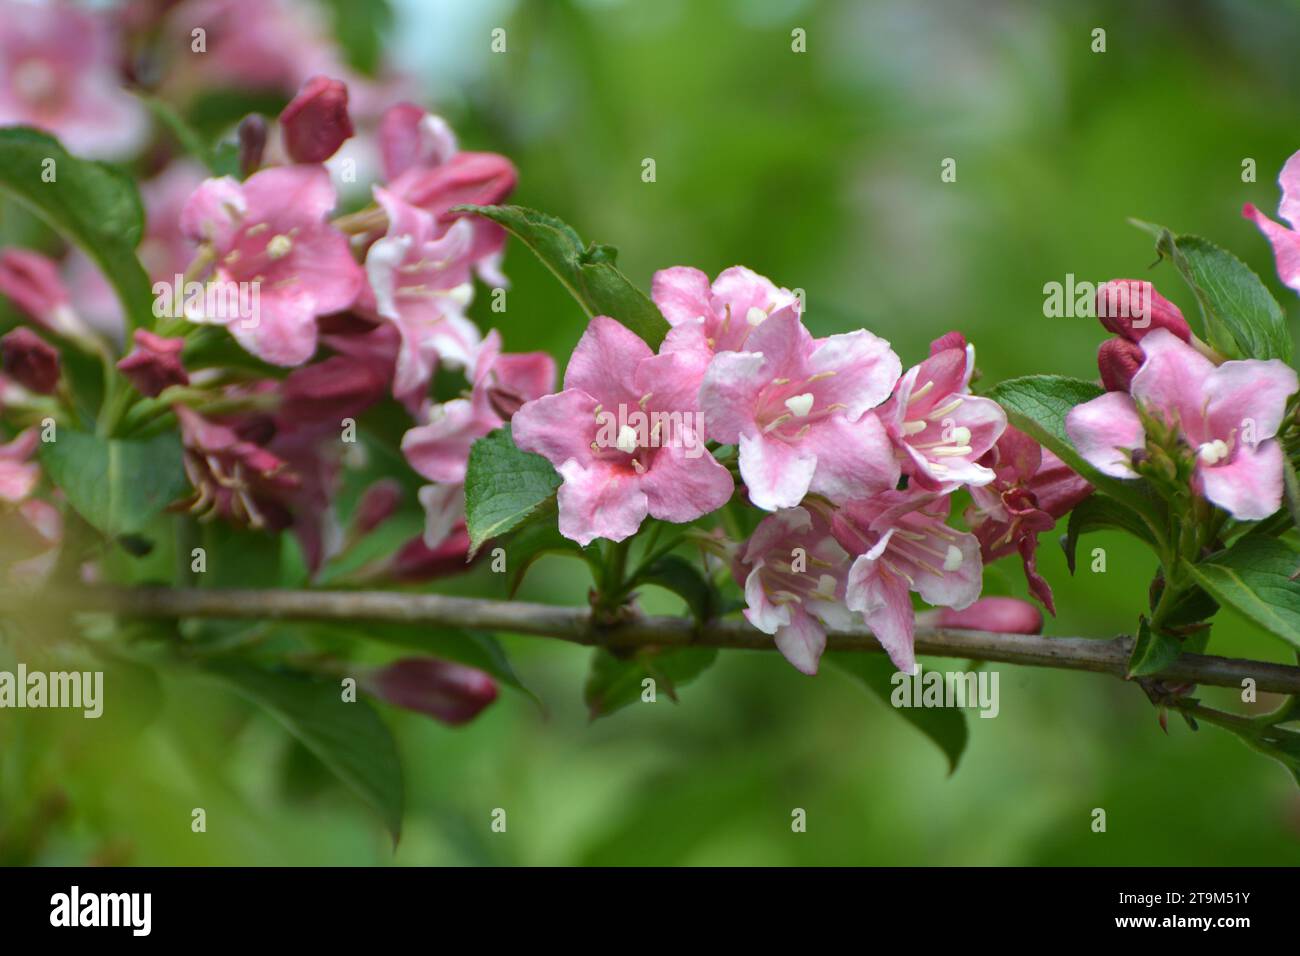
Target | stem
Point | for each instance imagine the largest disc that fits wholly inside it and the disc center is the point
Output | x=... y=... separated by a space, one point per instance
x=575 y=625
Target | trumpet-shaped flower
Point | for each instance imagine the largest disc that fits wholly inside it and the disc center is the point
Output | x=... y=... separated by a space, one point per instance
x=902 y=543
x=624 y=437
x=710 y=318
x=793 y=573
x=1227 y=415
x=799 y=409
x=938 y=427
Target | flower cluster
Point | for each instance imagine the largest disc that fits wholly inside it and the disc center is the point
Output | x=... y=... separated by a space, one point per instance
x=854 y=459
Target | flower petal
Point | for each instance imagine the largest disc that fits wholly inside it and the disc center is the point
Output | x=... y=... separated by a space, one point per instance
x=1105 y=430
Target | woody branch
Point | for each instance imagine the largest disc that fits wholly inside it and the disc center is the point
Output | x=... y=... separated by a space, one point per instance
x=1105 y=656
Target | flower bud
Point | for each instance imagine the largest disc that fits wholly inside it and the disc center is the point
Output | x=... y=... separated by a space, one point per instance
x=32 y=281
x=1001 y=615
x=476 y=178
x=332 y=390
x=154 y=364
x=1131 y=308
x=316 y=122
x=378 y=503
x=950 y=340
x=446 y=691
x=30 y=361
x=416 y=561
x=252 y=143
x=1118 y=360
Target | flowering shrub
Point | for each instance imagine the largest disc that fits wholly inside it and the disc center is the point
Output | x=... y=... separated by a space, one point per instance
x=221 y=355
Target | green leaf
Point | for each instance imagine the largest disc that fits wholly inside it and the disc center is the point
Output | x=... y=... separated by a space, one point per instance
x=1255 y=577
x=361 y=27
x=118 y=486
x=1099 y=513
x=946 y=726
x=92 y=204
x=588 y=272
x=539 y=535
x=1153 y=651
x=614 y=682
x=503 y=486
x=1242 y=319
x=347 y=737
x=1291 y=490
x=1038 y=404
x=684 y=579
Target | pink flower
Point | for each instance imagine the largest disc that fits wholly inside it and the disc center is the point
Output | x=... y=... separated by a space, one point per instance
x=30 y=361
x=1030 y=490
x=18 y=474
x=798 y=408
x=938 y=427
x=448 y=692
x=58 y=72
x=707 y=319
x=624 y=438
x=439 y=449
x=154 y=364
x=1285 y=242
x=32 y=283
x=233 y=477
x=793 y=573
x=1000 y=615
x=421 y=284
x=901 y=543
x=1226 y=415
x=424 y=166
x=316 y=121
x=271 y=234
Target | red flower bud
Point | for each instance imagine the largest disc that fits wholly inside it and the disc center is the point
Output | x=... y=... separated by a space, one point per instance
x=154 y=363
x=449 y=692
x=32 y=282
x=1118 y=361
x=1131 y=308
x=377 y=505
x=316 y=122
x=1002 y=615
x=417 y=562
x=252 y=143
x=478 y=178
x=330 y=391
x=30 y=361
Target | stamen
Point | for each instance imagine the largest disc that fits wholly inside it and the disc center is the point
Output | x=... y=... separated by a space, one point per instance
x=800 y=405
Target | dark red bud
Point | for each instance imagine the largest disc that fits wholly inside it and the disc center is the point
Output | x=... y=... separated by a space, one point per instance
x=417 y=562
x=316 y=122
x=1003 y=615
x=1118 y=360
x=1131 y=308
x=252 y=143
x=446 y=691
x=377 y=505
x=30 y=361
x=154 y=364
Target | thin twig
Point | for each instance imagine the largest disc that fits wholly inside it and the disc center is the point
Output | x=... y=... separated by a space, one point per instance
x=574 y=625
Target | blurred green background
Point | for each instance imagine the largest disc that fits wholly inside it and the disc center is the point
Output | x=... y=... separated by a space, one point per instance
x=821 y=170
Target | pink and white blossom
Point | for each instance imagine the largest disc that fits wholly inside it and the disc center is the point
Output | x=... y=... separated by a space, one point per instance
x=272 y=233
x=901 y=543
x=58 y=73
x=1227 y=415
x=793 y=572
x=939 y=429
x=799 y=409
x=611 y=483
x=718 y=317
x=420 y=282
x=1285 y=242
